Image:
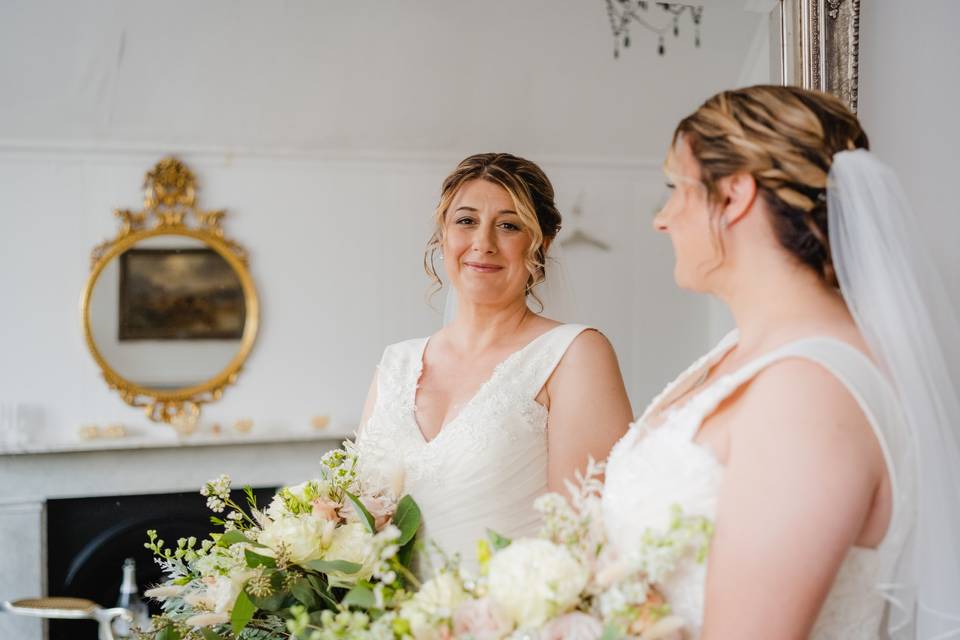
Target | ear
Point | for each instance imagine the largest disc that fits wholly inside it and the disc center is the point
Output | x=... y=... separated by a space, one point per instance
x=739 y=192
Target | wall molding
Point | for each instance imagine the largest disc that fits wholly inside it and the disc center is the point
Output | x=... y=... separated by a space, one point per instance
x=226 y=155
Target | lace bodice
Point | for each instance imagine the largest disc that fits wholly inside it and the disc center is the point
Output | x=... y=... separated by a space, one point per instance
x=487 y=465
x=652 y=469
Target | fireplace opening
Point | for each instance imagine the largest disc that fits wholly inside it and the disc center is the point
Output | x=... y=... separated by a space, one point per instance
x=89 y=538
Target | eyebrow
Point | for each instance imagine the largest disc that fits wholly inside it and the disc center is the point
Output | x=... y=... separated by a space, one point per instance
x=464 y=207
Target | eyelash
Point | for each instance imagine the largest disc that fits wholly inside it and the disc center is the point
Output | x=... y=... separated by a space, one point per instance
x=670 y=185
x=508 y=226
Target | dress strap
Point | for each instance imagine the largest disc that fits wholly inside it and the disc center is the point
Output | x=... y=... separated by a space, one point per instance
x=858 y=374
x=544 y=354
x=398 y=372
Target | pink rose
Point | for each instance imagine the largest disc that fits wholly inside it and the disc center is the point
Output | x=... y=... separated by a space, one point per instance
x=324 y=509
x=573 y=626
x=481 y=620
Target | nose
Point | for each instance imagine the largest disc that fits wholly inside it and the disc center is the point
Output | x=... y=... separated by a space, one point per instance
x=660 y=220
x=485 y=240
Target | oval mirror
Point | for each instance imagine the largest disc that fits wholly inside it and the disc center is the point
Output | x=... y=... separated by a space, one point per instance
x=170 y=311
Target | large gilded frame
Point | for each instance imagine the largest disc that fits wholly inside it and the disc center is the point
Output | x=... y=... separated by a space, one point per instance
x=816 y=45
x=170 y=209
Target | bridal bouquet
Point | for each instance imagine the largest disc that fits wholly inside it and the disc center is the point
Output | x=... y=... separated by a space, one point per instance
x=318 y=546
x=566 y=583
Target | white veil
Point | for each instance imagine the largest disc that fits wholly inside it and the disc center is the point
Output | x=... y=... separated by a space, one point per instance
x=903 y=310
x=555 y=292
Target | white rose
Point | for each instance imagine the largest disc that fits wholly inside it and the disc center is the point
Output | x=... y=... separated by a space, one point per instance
x=353 y=543
x=431 y=608
x=303 y=537
x=534 y=580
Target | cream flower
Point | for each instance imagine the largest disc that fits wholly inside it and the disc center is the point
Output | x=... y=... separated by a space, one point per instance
x=353 y=543
x=302 y=538
x=534 y=580
x=429 y=611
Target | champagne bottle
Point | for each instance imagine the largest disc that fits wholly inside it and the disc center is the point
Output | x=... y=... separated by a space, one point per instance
x=130 y=599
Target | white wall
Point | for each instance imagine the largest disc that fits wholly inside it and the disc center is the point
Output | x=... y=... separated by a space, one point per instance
x=335 y=249
x=909 y=97
x=325 y=129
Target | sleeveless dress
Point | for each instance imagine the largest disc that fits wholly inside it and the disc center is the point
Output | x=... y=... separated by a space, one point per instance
x=653 y=468
x=489 y=463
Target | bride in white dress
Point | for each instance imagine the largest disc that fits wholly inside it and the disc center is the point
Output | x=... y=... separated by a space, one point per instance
x=501 y=405
x=788 y=434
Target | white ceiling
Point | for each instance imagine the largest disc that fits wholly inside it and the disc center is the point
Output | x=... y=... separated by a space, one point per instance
x=532 y=76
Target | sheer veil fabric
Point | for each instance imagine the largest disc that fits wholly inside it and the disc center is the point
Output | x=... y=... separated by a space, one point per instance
x=903 y=310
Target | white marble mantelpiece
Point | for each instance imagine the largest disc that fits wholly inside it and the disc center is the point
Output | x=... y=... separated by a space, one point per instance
x=126 y=466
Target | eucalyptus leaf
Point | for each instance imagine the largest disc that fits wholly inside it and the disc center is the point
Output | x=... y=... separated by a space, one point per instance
x=330 y=566
x=243 y=610
x=365 y=516
x=255 y=560
x=304 y=592
x=233 y=537
x=407 y=519
x=360 y=596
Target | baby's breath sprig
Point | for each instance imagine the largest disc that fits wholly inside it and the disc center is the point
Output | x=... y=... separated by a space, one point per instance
x=217 y=493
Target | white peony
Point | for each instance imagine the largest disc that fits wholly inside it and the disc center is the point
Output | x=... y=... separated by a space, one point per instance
x=429 y=611
x=534 y=580
x=353 y=543
x=302 y=537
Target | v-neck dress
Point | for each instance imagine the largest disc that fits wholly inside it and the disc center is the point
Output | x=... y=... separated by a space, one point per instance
x=485 y=467
x=658 y=465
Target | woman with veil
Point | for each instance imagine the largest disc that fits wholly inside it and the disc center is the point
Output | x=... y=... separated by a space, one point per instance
x=821 y=436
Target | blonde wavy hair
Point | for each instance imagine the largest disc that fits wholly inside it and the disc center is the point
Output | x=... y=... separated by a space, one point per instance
x=785 y=137
x=533 y=199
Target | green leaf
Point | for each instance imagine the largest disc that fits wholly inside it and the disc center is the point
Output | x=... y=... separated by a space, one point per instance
x=168 y=633
x=407 y=519
x=362 y=512
x=323 y=590
x=360 y=596
x=255 y=560
x=498 y=541
x=329 y=566
x=303 y=591
x=405 y=554
x=233 y=537
x=210 y=634
x=610 y=633
x=243 y=610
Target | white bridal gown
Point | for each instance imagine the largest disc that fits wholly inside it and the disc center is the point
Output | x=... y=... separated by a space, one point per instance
x=489 y=463
x=653 y=468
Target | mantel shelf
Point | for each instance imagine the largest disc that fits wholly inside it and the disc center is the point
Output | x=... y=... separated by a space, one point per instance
x=170 y=440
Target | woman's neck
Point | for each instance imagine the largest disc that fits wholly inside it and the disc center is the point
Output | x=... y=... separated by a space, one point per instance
x=772 y=304
x=476 y=327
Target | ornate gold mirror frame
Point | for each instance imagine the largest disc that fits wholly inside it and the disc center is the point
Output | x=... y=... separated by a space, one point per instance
x=816 y=45
x=169 y=207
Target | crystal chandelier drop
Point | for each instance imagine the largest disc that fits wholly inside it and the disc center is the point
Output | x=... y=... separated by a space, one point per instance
x=625 y=13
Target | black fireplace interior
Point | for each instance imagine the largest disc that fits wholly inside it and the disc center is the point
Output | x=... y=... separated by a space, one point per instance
x=89 y=538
